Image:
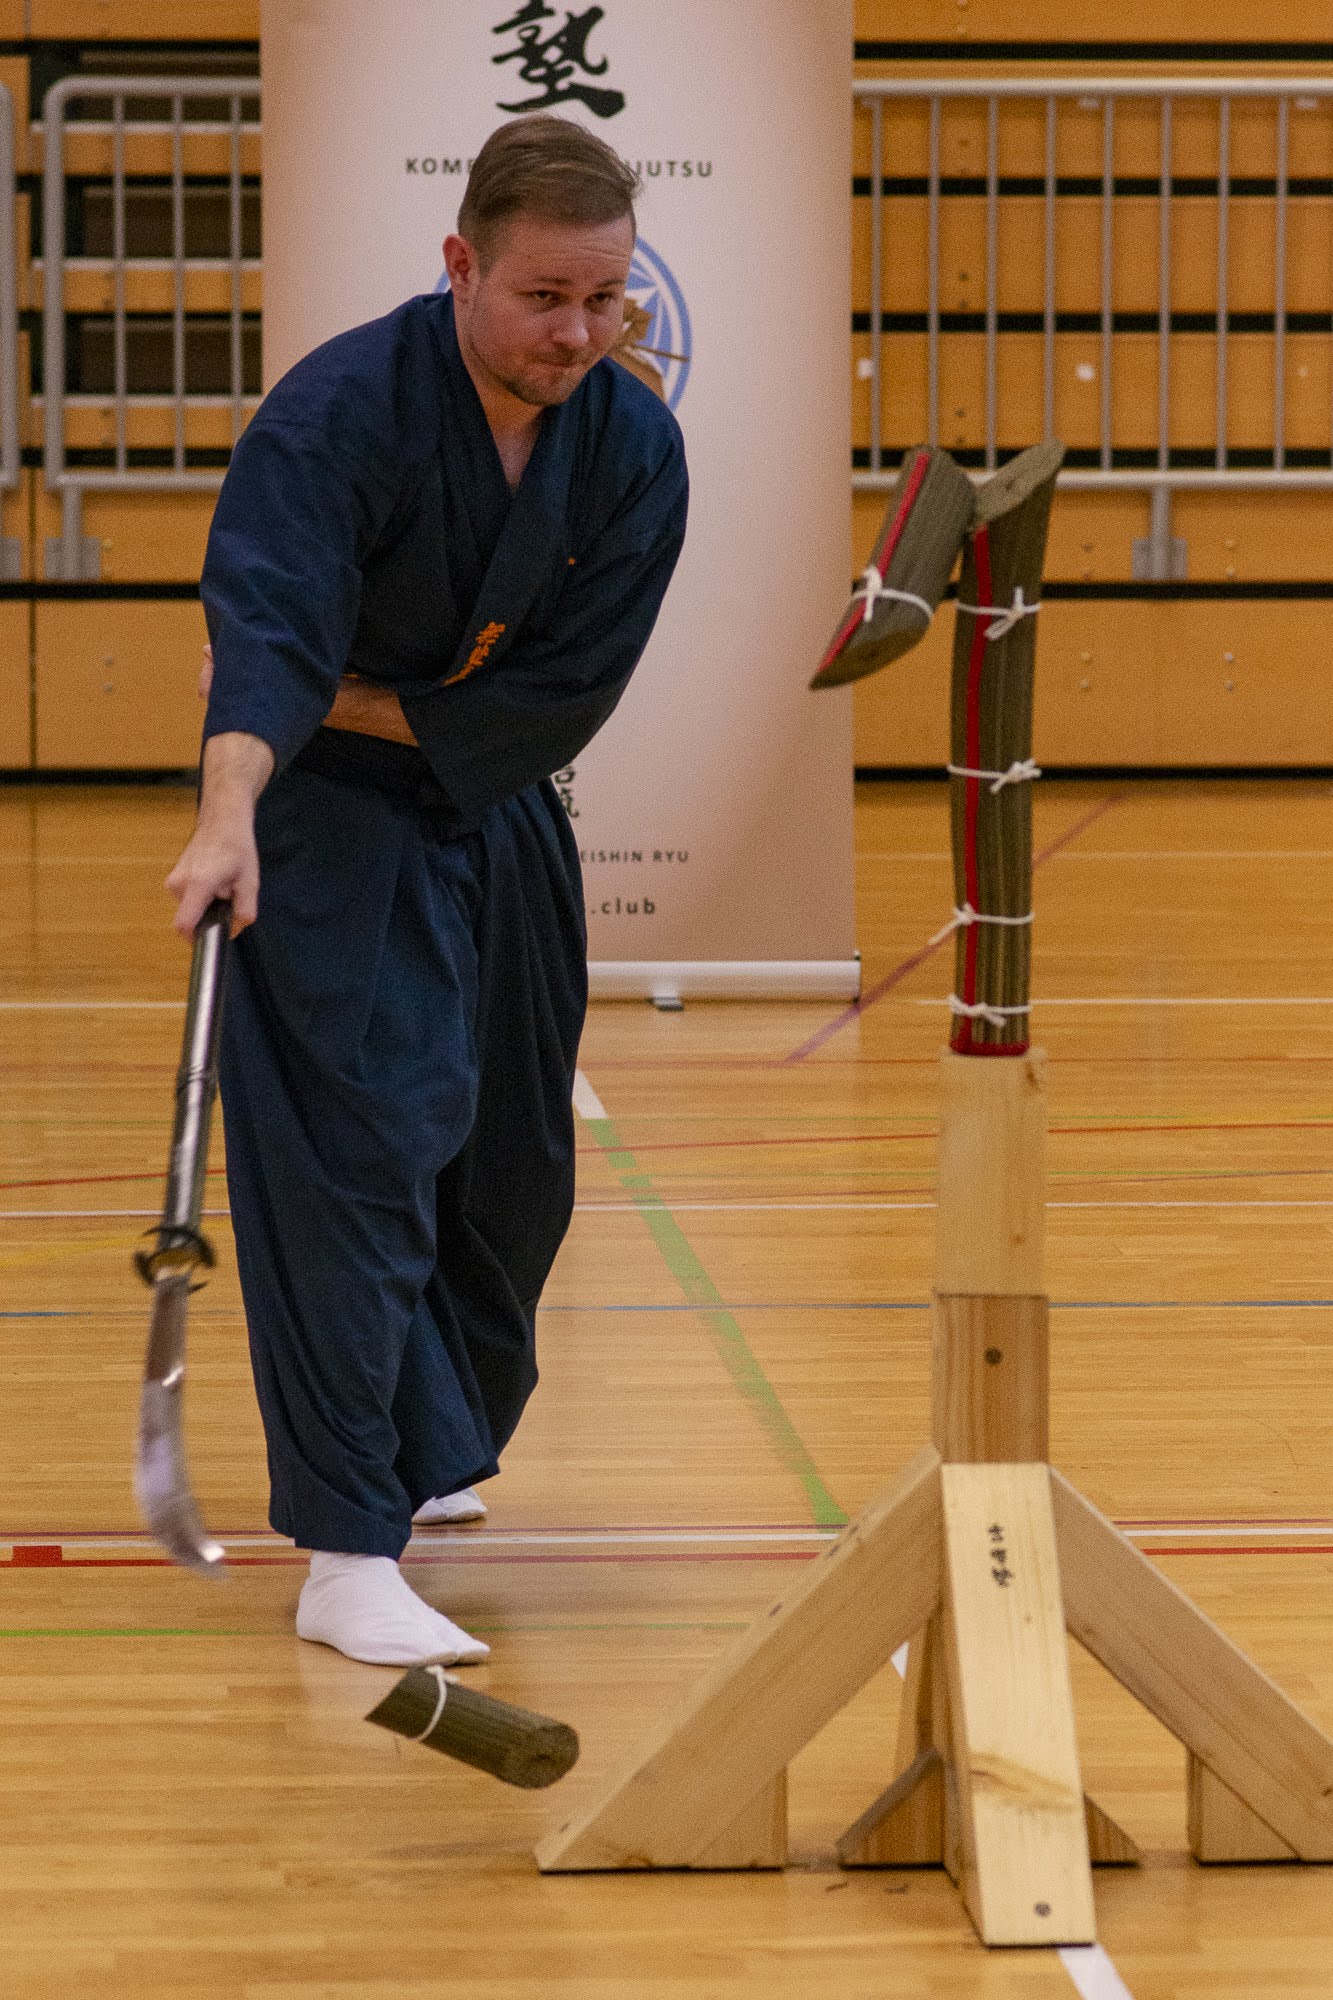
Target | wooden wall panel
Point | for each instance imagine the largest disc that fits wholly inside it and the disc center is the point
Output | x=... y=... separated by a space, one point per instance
x=1021 y=220
x=1037 y=21
x=90 y=288
x=1135 y=682
x=1020 y=364
x=14 y=73
x=16 y=519
x=15 y=679
x=1022 y=128
x=1229 y=537
x=143 y=20
x=145 y=537
x=116 y=684
x=149 y=153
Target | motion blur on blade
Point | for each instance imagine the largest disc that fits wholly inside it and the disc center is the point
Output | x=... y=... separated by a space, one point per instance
x=161 y=1476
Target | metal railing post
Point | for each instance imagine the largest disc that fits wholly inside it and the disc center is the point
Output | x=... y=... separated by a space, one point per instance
x=11 y=443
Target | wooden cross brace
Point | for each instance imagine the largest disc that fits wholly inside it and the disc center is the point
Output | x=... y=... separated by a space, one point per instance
x=982 y=1556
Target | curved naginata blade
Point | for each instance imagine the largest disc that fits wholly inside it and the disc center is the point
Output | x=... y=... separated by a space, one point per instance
x=161 y=1476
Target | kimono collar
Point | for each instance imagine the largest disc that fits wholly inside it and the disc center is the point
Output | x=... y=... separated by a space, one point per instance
x=532 y=541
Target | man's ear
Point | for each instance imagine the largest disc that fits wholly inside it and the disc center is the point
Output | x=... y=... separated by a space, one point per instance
x=462 y=264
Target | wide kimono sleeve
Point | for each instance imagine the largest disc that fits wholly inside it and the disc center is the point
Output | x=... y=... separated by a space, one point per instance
x=302 y=504
x=532 y=711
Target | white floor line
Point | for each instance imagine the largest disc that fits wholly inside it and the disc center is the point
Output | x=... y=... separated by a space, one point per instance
x=1093 y=1973
x=1221 y=1533
x=1195 y=854
x=500 y=1538
x=582 y=1538
x=699 y=1207
x=94 y=1214
x=739 y=1207
x=895 y=1207
x=1162 y=1000
x=586 y=1101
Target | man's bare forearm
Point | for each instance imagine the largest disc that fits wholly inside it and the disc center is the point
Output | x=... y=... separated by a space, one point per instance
x=221 y=858
x=236 y=768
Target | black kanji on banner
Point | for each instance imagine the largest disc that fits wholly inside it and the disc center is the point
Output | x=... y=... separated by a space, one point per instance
x=552 y=59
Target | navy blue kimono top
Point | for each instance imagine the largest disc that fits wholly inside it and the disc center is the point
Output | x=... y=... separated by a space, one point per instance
x=366 y=525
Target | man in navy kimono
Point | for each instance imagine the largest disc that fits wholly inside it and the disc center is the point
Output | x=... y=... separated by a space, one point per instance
x=437 y=557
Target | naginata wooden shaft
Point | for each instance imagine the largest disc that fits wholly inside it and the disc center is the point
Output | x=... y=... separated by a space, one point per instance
x=512 y=1744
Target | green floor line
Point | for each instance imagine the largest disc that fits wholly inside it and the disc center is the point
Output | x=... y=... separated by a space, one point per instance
x=730 y=1343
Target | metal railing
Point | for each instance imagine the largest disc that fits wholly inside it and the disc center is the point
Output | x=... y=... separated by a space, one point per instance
x=11 y=442
x=1158 y=555
x=71 y=555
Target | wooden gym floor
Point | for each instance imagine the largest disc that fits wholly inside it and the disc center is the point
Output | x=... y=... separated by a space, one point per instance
x=735 y=1354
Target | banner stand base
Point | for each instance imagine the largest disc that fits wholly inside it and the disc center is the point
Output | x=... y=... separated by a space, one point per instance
x=669 y=982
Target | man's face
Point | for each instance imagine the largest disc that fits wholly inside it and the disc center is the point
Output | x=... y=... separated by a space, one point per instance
x=549 y=305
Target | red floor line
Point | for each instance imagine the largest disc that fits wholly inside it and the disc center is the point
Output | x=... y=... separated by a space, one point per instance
x=497 y=1560
x=1079 y=827
x=909 y=965
x=476 y=1536
x=100 y=1180
x=929 y=1133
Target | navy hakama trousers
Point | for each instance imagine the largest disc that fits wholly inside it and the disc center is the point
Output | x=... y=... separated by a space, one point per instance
x=399 y=1042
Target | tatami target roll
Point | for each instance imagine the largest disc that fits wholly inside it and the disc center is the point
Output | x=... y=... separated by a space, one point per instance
x=512 y=1744
x=991 y=765
x=929 y=512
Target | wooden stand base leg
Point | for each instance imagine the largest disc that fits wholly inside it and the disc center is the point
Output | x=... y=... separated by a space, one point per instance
x=1221 y=1826
x=914 y=1824
x=1027 y=1878
x=782 y=1681
x=1108 y=1844
x=1246 y=1738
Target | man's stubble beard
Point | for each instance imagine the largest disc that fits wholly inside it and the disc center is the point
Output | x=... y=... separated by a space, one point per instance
x=528 y=388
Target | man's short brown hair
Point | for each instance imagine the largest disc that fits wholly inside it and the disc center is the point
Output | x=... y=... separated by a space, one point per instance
x=545 y=166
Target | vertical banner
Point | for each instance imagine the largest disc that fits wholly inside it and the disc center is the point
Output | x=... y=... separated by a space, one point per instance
x=714 y=812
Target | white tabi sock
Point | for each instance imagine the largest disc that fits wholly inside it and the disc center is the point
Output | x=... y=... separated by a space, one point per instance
x=465 y=1505
x=363 y=1606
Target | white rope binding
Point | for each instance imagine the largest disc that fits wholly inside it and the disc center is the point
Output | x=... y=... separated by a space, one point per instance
x=963 y=918
x=1021 y=772
x=439 y=1704
x=993 y=1015
x=872 y=588
x=1005 y=616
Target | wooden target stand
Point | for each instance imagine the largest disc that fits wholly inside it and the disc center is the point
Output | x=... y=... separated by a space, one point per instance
x=981 y=1555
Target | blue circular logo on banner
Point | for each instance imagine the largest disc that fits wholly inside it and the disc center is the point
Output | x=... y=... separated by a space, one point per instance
x=668 y=341
x=652 y=285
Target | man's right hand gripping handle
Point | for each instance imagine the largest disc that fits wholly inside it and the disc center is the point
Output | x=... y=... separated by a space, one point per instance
x=221 y=858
